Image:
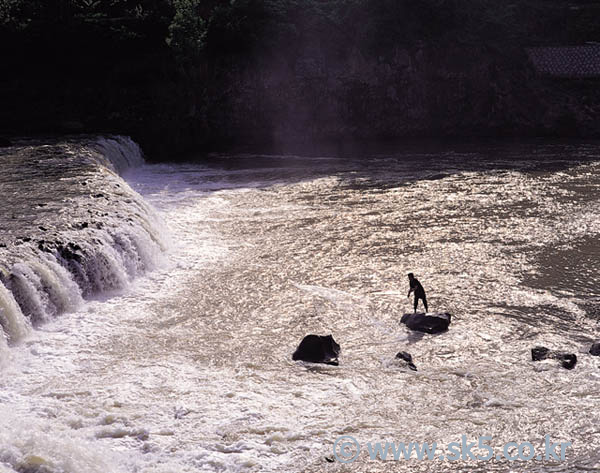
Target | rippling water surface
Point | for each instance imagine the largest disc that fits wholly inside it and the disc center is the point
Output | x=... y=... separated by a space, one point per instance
x=190 y=368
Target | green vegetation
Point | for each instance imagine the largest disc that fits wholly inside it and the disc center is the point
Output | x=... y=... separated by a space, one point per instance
x=236 y=26
x=187 y=31
x=147 y=67
x=197 y=29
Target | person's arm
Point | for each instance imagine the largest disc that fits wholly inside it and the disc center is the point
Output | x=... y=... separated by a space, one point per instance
x=410 y=290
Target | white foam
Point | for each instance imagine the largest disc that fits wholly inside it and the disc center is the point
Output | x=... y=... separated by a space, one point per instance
x=32 y=444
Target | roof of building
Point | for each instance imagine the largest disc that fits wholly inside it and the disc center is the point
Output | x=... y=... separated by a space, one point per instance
x=567 y=61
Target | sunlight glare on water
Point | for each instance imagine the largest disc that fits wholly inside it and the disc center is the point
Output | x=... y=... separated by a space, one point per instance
x=191 y=370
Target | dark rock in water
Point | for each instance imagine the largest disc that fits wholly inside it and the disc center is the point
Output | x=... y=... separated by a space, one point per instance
x=428 y=323
x=539 y=353
x=402 y=355
x=4 y=142
x=44 y=245
x=70 y=252
x=318 y=349
x=67 y=251
x=595 y=349
x=567 y=360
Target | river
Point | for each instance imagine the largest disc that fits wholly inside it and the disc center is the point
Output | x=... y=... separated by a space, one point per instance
x=187 y=366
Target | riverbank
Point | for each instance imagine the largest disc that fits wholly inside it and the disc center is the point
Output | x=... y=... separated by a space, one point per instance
x=272 y=76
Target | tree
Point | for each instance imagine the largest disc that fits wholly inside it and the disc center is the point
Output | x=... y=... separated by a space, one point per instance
x=187 y=31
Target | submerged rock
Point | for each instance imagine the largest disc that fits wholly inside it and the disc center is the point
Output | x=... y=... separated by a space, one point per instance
x=595 y=349
x=318 y=349
x=568 y=360
x=428 y=323
x=402 y=355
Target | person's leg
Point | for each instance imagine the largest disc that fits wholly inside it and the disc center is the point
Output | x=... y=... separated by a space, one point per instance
x=425 y=302
x=416 y=303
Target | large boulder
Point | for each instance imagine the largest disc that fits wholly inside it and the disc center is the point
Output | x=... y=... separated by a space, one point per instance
x=595 y=349
x=567 y=360
x=428 y=323
x=318 y=349
x=407 y=357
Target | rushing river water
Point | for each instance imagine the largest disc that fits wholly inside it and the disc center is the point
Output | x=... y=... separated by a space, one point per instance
x=188 y=368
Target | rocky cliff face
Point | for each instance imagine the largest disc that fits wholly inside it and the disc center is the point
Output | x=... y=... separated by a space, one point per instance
x=457 y=91
x=295 y=103
x=284 y=74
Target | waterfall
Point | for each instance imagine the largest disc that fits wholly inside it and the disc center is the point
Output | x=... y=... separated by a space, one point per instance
x=94 y=242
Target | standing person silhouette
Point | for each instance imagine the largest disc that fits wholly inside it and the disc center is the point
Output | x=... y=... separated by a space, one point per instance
x=415 y=285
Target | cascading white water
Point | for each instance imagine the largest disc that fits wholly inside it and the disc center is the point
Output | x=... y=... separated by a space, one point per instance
x=13 y=325
x=119 y=153
x=103 y=238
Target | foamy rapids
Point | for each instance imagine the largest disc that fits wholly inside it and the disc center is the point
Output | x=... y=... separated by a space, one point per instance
x=70 y=228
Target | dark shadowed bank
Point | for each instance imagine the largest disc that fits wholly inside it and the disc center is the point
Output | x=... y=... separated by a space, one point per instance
x=285 y=75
